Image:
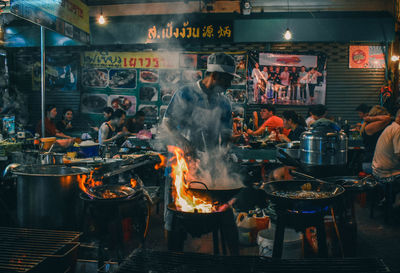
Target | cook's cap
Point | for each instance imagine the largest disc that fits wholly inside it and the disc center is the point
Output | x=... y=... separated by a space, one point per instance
x=221 y=62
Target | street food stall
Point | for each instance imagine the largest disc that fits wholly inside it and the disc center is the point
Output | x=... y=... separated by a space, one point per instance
x=142 y=136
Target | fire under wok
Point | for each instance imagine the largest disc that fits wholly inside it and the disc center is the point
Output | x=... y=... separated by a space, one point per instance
x=302 y=195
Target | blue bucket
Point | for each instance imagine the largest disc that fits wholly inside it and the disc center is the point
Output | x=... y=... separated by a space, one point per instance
x=89 y=151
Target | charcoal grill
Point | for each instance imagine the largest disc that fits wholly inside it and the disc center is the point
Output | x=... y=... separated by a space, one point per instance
x=154 y=261
x=37 y=250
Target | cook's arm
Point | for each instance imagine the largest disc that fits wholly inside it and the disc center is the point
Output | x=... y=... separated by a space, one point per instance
x=171 y=128
x=376 y=123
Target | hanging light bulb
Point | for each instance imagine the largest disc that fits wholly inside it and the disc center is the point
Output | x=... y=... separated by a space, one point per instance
x=287 y=35
x=395 y=58
x=101 y=19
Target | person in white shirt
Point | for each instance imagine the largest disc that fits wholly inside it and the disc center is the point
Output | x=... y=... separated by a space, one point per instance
x=386 y=162
x=303 y=83
x=313 y=75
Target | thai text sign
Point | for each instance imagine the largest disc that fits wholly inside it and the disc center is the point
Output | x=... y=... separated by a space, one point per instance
x=366 y=57
x=67 y=17
x=130 y=59
x=190 y=31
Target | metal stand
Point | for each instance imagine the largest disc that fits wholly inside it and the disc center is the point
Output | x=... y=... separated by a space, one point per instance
x=300 y=221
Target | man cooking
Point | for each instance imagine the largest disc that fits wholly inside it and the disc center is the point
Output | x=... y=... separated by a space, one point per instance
x=199 y=118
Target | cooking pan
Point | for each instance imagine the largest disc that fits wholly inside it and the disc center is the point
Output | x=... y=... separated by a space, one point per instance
x=214 y=195
x=198 y=223
x=280 y=193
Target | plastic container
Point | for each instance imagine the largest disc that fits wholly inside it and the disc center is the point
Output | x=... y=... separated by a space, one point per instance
x=292 y=243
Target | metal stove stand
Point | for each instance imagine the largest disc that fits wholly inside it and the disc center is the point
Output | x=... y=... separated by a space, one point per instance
x=160 y=262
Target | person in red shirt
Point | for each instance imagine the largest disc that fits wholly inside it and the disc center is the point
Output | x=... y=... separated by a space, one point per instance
x=50 y=128
x=271 y=122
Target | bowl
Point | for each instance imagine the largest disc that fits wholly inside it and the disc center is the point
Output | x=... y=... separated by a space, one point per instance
x=47 y=142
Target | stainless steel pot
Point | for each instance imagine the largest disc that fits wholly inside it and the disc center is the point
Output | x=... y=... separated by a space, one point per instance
x=51 y=158
x=48 y=196
x=291 y=148
x=323 y=147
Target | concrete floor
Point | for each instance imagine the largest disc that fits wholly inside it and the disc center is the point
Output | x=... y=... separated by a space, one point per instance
x=374 y=238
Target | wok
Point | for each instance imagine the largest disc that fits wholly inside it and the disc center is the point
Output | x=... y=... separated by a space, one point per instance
x=275 y=189
x=214 y=195
x=122 y=191
x=198 y=223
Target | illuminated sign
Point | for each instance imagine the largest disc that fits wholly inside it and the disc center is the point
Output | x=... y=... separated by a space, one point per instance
x=67 y=17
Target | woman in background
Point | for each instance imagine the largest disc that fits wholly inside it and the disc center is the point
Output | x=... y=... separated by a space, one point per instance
x=65 y=124
x=296 y=124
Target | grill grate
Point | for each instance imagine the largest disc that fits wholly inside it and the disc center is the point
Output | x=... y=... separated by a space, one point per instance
x=23 y=249
x=152 y=261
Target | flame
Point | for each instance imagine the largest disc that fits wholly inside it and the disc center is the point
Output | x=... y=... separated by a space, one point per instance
x=184 y=201
x=85 y=182
x=163 y=162
x=133 y=183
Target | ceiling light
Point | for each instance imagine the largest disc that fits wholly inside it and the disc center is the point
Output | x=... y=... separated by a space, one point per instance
x=102 y=19
x=288 y=34
x=395 y=58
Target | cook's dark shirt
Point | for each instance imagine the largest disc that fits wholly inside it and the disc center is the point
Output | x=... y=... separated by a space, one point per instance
x=61 y=126
x=296 y=133
x=133 y=126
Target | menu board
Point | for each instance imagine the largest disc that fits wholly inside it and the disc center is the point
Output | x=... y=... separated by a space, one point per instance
x=147 y=81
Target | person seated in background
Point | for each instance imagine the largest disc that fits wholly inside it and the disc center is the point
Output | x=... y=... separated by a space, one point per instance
x=386 y=159
x=293 y=122
x=136 y=123
x=107 y=112
x=374 y=123
x=309 y=119
x=362 y=111
x=50 y=129
x=65 y=124
x=318 y=113
x=108 y=131
x=271 y=121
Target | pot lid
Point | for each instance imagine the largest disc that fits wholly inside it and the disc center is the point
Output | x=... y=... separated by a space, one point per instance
x=49 y=170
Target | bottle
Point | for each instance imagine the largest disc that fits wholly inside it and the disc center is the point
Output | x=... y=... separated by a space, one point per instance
x=346 y=127
x=36 y=142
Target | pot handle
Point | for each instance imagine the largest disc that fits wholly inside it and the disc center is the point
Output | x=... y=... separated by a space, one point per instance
x=74 y=245
x=198 y=182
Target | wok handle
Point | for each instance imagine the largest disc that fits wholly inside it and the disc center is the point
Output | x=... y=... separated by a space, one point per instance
x=198 y=182
x=306 y=176
x=290 y=160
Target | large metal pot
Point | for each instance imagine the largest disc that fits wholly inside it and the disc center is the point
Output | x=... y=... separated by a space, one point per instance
x=52 y=158
x=48 y=196
x=323 y=147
